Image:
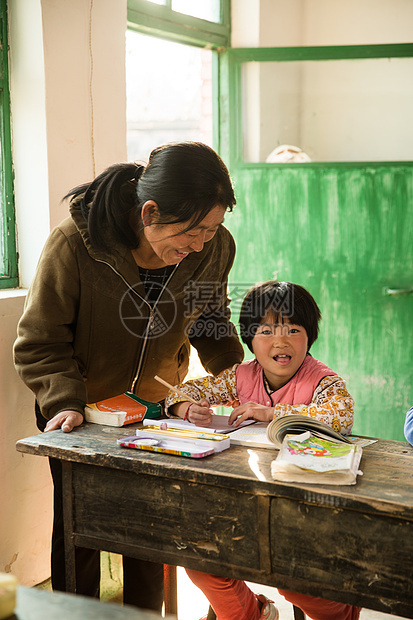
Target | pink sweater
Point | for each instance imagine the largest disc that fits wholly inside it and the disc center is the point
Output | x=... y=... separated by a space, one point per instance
x=298 y=391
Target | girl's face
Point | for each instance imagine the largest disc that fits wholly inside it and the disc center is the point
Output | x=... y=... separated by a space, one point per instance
x=280 y=348
x=168 y=241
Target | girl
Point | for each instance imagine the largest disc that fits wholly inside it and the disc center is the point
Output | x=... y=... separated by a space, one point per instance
x=278 y=323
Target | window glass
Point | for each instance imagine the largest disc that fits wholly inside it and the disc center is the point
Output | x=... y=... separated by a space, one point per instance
x=203 y=9
x=169 y=94
x=335 y=110
x=203 y=23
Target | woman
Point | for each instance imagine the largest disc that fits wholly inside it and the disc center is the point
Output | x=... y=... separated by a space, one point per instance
x=136 y=274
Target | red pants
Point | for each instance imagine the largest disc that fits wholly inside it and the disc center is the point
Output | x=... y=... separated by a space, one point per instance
x=320 y=608
x=232 y=599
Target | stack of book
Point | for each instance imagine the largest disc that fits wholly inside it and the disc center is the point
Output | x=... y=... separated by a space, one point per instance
x=308 y=458
x=120 y=410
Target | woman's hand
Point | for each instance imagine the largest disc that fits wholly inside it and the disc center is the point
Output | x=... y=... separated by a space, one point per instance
x=201 y=414
x=66 y=420
x=261 y=413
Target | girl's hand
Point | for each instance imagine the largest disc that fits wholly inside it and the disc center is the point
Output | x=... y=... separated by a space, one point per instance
x=231 y=403
x=261 y=413
x=201 y=414
x=66 y=420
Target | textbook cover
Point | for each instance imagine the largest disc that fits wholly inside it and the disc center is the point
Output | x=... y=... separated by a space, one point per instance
x=308 y=458
x=120 y=410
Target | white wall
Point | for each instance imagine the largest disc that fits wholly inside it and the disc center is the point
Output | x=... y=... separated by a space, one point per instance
x=284 y=23
x=336 y=111
x=68 y=124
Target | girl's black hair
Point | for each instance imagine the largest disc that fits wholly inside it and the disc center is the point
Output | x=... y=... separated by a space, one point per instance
x=186 y=180
x=283 y=299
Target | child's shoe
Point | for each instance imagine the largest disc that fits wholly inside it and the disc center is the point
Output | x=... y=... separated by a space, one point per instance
x=268 y=610
x=210 y=615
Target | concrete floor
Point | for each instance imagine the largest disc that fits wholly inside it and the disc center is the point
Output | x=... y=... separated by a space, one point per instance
x=192 y=604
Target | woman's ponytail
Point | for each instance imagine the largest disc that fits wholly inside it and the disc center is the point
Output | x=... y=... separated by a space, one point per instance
x=107 y=204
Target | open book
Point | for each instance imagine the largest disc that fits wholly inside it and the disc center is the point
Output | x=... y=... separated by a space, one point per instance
x=123 y=409
x=296 y=424
x=219 y=424
x=250 y=433
x=271 y=434
x=308 y=458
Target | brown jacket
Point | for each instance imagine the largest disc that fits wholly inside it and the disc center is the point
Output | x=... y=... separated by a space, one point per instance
x=85 y=333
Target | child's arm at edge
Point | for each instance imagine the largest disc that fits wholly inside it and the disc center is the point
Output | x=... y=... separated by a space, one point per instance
x=408 y=426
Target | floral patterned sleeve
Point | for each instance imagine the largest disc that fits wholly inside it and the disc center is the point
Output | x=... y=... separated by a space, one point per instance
x=331 y=403
x=219 y=390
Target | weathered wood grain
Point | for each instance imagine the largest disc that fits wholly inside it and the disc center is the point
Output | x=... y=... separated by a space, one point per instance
x=224 y=514
x=364 y=556
x=166 y=515
x=386 y=484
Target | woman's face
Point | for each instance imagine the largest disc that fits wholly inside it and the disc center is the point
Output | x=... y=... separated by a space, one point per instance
x=168 y=241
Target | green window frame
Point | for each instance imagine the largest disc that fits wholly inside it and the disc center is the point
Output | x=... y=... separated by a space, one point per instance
x=8 y=266
x=231 y=137
x=162 y=21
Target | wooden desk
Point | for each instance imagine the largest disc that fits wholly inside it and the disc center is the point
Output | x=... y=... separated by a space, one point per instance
x=34 y=604
x=225 y=515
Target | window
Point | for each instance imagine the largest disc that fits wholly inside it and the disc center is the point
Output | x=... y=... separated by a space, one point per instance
x=173 y=107
x=170 y=63
x=322 y=82
x=205 y=23
x=8 y=264
x=336 y=103
x=334 y=109
x=204 y=9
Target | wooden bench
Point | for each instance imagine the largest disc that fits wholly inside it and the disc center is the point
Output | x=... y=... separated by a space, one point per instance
x=34 y=604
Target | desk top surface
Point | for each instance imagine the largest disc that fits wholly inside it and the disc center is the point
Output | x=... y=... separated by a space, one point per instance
x=385 y=487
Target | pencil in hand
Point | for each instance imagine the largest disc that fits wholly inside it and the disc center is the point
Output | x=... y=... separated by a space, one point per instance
x=177 y=390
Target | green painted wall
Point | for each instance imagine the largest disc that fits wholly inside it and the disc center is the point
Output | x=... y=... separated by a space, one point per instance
x=345 y=232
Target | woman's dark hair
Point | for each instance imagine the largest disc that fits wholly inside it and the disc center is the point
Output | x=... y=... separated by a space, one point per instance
x=186 y=180
x=282 y=299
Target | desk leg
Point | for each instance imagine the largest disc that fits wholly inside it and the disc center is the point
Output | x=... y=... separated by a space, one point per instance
x=68 y=526
x=298 y=613
x=171 y=584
